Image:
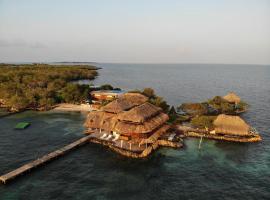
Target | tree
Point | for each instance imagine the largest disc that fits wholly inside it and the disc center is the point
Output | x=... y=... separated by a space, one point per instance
x=106 y=87
x=149 y=92
x=172 y=114
x=194 y=109
x=158 y=101
x=18 y=102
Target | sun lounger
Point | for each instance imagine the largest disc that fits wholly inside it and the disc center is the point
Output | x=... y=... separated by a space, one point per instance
x=109 y=137
x=116 y=137
x=170 y=138
x=103 y=136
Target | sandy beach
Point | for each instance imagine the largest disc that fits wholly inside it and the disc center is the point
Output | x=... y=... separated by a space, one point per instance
x=73 y=107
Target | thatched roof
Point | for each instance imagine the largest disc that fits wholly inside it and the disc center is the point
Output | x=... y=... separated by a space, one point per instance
x=232 y=98
x=125 y=102
x=141 y=118
x=135 y=98
x=117 y=106
x=156 y=135
x=140 y=113
x=151 y=124
x=232 y=125
x=99 y=119
x=109 y=122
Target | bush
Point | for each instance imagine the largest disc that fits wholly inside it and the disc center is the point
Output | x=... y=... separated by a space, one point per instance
x=181 y=118
x=225 y=107
x=159 y=102
x=194 y=109
x=203 y=121
x=172 y=114
x=149 y=92
x=241 y=106
x=106 y=87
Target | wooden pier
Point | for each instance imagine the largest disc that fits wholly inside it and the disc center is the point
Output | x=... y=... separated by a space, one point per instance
x=40 y=161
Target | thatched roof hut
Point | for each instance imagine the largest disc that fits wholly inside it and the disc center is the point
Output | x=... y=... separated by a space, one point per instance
x=232 y=98
x=129 y=115
x=140 y=113
x=231 y=125
x=125 y=102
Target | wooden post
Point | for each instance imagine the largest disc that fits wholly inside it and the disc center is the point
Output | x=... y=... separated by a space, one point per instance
x=121 y=143
x=200 y=142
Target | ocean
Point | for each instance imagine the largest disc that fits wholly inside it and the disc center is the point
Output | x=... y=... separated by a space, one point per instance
x=219 y=170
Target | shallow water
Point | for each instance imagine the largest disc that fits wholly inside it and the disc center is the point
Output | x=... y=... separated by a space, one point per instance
x=220 y=170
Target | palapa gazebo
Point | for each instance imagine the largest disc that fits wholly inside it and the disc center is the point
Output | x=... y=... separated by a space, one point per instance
x=130 y=116
x=231 y=125
x=232 y=98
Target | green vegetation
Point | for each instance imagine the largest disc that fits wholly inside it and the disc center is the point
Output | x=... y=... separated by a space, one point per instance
x=156 y=100
x=181 y=118
x=224 y=107
x=214 y=106
x=40 y=86
x=203 y=121
x=108 y=87
x=194 y=109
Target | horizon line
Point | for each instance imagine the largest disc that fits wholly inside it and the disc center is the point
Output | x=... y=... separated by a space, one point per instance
x=145 y=63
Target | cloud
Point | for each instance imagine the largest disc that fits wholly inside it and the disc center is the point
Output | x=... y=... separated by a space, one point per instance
x=21 y=43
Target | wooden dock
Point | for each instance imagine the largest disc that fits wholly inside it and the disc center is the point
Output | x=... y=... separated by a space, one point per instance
x=40 y=161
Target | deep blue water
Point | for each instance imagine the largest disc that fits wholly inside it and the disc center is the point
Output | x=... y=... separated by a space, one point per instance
x=220 y=170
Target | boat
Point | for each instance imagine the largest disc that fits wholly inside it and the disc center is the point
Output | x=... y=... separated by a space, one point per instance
x=22 y=125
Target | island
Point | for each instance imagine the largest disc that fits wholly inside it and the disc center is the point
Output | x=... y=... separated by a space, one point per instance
x=217 y=119
x=42 y=86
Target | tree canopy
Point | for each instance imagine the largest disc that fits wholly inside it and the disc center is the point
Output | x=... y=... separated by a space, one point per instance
x=41 y=85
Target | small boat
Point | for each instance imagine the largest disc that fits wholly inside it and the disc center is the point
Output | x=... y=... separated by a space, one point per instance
x=22 y=125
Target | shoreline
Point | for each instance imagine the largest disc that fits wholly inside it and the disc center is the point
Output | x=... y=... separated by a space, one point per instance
x=68 y=107
x=62 y=107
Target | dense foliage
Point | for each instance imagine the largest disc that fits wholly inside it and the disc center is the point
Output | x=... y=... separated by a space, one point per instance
x=108 y=87
x=194 y=109
x=40 y=86
x=224 y=107
x=156 y=100
x=214 y=106
x=203 y=121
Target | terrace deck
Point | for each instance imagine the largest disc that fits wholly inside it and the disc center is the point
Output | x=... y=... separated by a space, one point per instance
x=123 y=145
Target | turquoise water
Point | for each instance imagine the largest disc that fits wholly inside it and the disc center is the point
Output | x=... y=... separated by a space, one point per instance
x=220 y=170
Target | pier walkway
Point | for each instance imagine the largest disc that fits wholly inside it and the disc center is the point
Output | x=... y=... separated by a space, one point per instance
x=36 y=163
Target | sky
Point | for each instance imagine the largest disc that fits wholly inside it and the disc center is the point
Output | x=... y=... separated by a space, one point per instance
x=135 y=31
